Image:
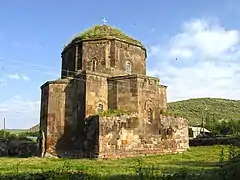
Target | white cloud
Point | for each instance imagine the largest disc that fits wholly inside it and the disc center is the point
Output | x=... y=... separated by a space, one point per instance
x=14 y=76
x=207 y=62
x=25 y=78
x=17 y=76
x=19 y=113
x=3 y=110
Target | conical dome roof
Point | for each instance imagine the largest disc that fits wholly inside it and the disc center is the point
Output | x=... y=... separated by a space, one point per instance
x=104 y=31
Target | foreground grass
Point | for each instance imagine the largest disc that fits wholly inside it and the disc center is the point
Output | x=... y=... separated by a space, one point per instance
x=195 y=160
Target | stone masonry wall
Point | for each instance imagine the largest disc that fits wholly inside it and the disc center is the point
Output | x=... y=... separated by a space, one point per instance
x=123 y=93
x=163 y=97
x=53 y=113
x=136 y=93
x=110 y=56
x=68 y=62
x=95 y=51
x=96 y=92
x=127 y=52
x=148 y=97
x=62 y=114
x=125 y=136
x=44 y=107
x=66 y=103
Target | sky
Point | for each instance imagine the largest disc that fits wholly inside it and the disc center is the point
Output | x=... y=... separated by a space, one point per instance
x=202 y=35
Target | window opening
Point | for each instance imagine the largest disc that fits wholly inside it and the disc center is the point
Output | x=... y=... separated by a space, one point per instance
x=94 y=63
x=128 y=67
x=100 y=108
x=150 y=115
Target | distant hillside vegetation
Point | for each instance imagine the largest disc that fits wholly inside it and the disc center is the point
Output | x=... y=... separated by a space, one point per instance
x=35 y=128
x=16 y=131
x=212 y=107
x=194 y=108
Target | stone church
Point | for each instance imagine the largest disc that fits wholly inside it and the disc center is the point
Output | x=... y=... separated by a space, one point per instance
x=102 y=69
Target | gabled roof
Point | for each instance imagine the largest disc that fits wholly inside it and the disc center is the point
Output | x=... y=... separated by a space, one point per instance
x=198 y=129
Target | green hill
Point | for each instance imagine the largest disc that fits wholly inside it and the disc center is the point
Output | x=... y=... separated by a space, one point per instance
x=35 y=128
x=195 y=109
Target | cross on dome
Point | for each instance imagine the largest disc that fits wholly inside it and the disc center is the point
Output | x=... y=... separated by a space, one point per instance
x=104 y=21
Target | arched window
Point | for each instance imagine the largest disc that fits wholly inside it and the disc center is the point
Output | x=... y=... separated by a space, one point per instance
x=94 y=64
x=150 y=115
x=128 y=67
x=100 y=108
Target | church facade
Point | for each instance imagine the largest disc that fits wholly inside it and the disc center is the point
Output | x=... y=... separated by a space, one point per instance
x=115 y=75
x=101 y=71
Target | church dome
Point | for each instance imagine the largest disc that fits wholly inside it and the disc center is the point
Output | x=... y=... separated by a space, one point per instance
x=103 y=32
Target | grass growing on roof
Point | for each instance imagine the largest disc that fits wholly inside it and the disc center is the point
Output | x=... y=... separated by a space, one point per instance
x=114 y=112
x=103 y=31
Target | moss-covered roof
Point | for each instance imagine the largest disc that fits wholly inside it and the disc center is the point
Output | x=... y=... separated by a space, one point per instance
x=103 y=31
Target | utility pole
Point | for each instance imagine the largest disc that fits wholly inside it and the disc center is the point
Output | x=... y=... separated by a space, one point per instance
x=203 y=120
x=202 y=124
x=4 y=127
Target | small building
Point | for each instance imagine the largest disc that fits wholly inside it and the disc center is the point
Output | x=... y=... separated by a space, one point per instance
x=196 y=131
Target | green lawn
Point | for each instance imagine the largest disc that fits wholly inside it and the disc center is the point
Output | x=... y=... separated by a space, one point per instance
x=195 y=159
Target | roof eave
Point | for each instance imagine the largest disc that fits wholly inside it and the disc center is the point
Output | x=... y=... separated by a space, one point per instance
x=76 y=41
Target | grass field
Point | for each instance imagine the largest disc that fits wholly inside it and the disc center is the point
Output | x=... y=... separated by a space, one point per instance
x=194 y=160
x=16 y=131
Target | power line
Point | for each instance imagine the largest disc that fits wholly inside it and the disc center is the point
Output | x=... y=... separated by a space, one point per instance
x=79 y=79
x=52 y=73
x=27 y=63
x=40 y=67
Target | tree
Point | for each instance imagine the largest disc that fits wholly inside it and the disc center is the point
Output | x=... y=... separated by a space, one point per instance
x=6 y=134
